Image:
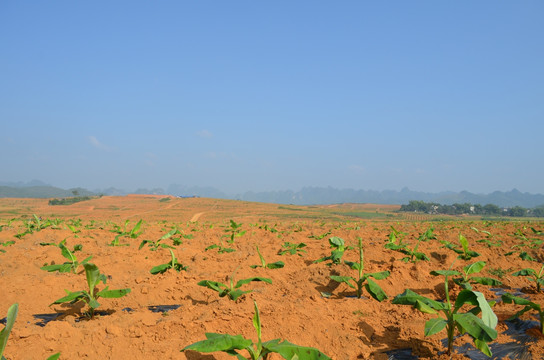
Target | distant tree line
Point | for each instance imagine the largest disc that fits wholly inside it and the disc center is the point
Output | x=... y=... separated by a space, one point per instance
x=470 y=209
x=72 y=200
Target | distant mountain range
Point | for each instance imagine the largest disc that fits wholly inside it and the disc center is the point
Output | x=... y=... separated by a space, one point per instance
x=38 y=189
x=329 y=195
x=305 y=196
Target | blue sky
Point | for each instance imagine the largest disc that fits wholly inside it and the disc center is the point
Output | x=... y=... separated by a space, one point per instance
x=276 y=95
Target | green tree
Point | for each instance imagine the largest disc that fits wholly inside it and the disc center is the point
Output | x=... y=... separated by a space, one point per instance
x=491 y=209
x=517 y=211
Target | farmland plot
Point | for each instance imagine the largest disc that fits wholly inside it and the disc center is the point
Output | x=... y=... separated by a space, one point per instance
x=326 y=305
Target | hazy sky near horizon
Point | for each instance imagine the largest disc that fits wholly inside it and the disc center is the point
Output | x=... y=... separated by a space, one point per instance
x=276 y=95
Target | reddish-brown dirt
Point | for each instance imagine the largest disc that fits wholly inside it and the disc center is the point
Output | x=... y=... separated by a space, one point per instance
x=292 y=307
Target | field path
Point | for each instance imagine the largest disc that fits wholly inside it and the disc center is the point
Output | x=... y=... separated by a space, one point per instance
x=196 y=216
x=149 y=211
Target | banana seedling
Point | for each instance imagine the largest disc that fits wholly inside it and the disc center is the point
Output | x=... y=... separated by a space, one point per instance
x=482 y=330
x=34 y=224
x=466 y=280
x=264 y=264
x=133 y=233
x=396 y=243
x=292 y=249
x=4 y=334
x=232 y=291
x=529 y=305
x=231 y=344
x=6 y=243
x=73 y=225
x=8 y=225
x=220 y=248
x=72 y=264
x=91 y=296
x=525 y=243
x=464 y=253
x=488 y=240
x=533 y=275
x=363 y=279
x=154 y=245
x=413 y=254
x=319 y=237
x=395 y=240
x=338 y=246
x=235 y=231
x=172 y=264
x=427 y=235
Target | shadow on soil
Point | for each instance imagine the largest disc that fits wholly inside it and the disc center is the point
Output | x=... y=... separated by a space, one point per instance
x=330 y=286
x=518 y=349
x=401 y=354
x=44 y=319
x=196 y=302
x=162 y=308
x=194 y=355
x=399 y=349
x=439 y=257
x=519 y=331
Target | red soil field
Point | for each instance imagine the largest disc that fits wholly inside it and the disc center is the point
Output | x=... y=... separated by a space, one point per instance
x=293 y=307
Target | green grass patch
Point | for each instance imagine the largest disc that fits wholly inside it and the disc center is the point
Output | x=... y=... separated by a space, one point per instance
x=311 y=216
x=71 y=200
x=362 y=214
x=289 y=208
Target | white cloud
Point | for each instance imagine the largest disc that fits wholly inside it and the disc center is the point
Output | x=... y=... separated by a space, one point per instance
x=97 y=144
x=149 y=159
x=213 y=155
x=204 y=134
x=357 y=168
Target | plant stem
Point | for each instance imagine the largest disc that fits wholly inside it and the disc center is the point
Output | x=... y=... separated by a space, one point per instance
x=360 y=282
x=413 y=252
x=173 y=261
x=538 y=284
x=449 y=316
x=450 y=328
x=541 y=313
x=361 y=256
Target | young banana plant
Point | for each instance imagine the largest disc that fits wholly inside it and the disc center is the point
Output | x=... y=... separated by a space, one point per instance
x=363 y=279
x=90 y=297
x=231 y=344
x=482 y=330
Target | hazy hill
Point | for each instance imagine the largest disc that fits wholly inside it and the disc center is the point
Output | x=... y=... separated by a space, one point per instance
x=305 y=196
x=40 y=192
x=317 y=195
